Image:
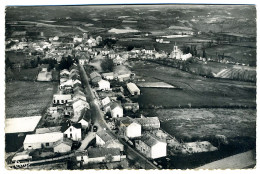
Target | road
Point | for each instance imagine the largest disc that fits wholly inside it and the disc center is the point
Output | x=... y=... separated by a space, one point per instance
x=88 y=138
x=98 y=118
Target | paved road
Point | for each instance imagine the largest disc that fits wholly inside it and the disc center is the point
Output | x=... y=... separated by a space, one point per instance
x=98 y=118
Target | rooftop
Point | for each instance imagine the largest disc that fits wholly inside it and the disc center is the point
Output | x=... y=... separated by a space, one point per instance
x=42 y=138
x=101 y=152
x=150 y=139
x=22 y=124
x=48 y=130
x=105 y=136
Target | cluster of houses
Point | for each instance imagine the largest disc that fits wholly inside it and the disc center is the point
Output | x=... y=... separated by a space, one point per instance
x=69 y=103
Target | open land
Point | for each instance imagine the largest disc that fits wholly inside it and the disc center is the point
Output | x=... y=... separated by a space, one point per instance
x=197 y=91
x=25 y=98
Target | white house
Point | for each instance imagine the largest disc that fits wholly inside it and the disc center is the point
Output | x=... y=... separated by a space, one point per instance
x=105 y=101
x=133 y=89
x=108 y=76
x=62 y=146
x=130 y=128
x=38 y=141
x=61 y=98
x=99 y=155
x=116 y=110
x=103 y=85
x=151 y=146
x=84 y=123
x=72 y=131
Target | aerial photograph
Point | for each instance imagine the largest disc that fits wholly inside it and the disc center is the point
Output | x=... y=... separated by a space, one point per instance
x=152 y=86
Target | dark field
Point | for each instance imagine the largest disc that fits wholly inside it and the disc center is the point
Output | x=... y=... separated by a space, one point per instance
x=195 y=92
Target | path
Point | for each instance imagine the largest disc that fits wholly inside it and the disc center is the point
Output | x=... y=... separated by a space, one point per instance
x=88 y=138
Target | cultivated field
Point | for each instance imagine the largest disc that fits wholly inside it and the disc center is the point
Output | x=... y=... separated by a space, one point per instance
x=196 y=91
x=27 y=98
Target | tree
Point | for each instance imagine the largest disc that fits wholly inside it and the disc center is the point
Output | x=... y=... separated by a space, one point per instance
x=204 y=55
x=65 y=63
x=8 y=63
x=107 y=65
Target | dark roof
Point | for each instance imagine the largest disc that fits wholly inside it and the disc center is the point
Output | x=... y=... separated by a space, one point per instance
x=101 y=152
x=105 y=136
x=65 y=141
x=126 y=121
x=65 y=126
x=114 y=105
x=150 y=139
x=149 y=122
x=94 y=74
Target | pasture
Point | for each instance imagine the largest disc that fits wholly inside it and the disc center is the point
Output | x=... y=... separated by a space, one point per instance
x=196 y=91
x=25 y=98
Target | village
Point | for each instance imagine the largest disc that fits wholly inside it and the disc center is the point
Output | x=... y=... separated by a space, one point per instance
x=93 y=118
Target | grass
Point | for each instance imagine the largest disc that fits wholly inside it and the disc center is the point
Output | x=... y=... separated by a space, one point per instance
x=29 y=74
x=196 y=91
x=27 y=98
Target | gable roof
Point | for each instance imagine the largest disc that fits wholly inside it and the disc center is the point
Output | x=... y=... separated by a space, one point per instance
x=101 y=152
x=105 y=136
x=153 y=122
x=65 y=126
x=126 y=121
x=151 y=140
x=63 y=141
x=48 y=130
x=42 y=138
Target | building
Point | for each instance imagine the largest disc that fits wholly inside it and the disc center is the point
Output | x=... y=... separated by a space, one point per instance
x=151 y=146
x=99 y=155
x=103 y=85
x=131 y=106
x=178 y=54
x=44 y=76
x=130 y=128
x=61 y=98
x=104 y=139
x=95 y=77
x=108 y=76
x=84 y=123
x=38 y=141
x=62 y=146
x=149 y=123
x=133 y=89
x=105 y=101
x=48 y=130
x=64 y=72
x=72 y=131
x=52 y=110
x=116 y=110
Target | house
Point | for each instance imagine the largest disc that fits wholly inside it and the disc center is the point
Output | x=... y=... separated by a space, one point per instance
x=104 y=139
x=131 y=106
x=104 y=85
x=105 y=101
x=67 y=84
x=77 y=39
x=151 y=146
x=129 y=127
x=116 y=110
x=99 y=155
x=38 y=141
x=61 y=98
x=79 y=106
x=72 y=131
x=136 y=50
x=64 y=72
x=95 y=77
x=84 y=123
x=44 y=76
x=133 y=89
x=52 y=110
x=62 y=146
x=108 y=76
x=149 y=123
x=79 y=95
x=148 y=50
x=83 y=61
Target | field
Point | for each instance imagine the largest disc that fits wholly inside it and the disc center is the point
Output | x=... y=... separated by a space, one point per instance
x=27 y=98
x=29 y=74
x=196 y=91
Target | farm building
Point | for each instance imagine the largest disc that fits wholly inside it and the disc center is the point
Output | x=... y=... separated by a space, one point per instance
x=129 y=127
x=133 y=89
x=61 y=98
x=104 y=139
x=149 y=123
x=108 y=76
x=72 y=131
x=151 y=146
x=44 y=75
x=16 y=130
x=62 y=146
x=99 y=155
x=116 y=110
x=95 y=77
x=48 y=130
x=103 y=85
x=38 y=141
